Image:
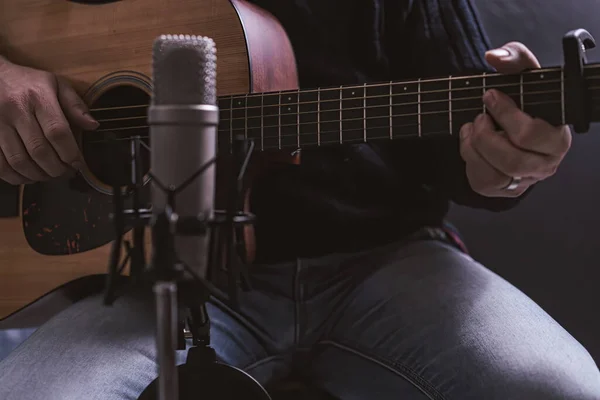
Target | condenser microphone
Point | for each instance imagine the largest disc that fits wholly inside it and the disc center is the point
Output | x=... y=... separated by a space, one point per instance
x=183 y=118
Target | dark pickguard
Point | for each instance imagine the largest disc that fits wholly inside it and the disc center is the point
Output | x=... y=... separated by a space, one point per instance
x=66 y=217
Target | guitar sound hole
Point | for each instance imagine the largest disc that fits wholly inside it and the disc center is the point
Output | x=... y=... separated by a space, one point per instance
x=122 y=114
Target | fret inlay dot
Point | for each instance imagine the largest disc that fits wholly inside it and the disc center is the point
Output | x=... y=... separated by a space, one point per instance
x=467 y=83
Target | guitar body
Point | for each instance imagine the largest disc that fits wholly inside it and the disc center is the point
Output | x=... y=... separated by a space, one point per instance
x=63 y=230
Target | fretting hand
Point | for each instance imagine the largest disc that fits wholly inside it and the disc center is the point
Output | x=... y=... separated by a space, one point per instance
x=36 y=110
x=527 y=150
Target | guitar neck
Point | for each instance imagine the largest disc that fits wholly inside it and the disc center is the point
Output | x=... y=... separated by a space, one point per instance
x=392 y=110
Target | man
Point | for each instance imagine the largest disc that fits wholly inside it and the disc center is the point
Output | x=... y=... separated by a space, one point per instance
x=357 y=285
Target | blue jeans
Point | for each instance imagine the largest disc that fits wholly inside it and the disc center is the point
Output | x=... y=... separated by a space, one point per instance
x=412 y=321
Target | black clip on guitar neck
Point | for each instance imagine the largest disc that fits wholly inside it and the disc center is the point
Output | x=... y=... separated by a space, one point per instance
x=577 y=101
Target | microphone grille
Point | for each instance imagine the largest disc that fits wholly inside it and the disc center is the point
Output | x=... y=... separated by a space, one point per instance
x=184 y=70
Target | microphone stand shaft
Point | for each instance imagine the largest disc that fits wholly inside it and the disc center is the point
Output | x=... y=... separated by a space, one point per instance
x=166 y=309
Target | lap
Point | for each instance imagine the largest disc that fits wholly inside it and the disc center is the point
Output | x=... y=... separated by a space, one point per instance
x=429 y=322
x=415 y=321
x=90 y=351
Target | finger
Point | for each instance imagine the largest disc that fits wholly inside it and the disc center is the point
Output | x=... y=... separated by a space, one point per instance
x=58 y=132
x=73 y=106
x=483 y=177
x=504 y=110
x=8 y=174
x=513 y=57
x=486 y=180
x=525 y=132
x=481 y=174
x=17 y=156
x=504 y=156
x=38 y=147
x=541 y=137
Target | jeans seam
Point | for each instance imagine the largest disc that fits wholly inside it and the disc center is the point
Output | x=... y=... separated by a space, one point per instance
x=398 y=368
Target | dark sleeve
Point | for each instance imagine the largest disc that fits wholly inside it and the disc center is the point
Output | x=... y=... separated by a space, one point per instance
x=441 y=38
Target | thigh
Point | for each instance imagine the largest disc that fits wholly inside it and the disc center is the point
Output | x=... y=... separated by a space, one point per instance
x=431 y=323
x=94 y=352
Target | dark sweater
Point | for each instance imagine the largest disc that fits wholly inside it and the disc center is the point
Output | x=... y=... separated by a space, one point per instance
x=347 y=198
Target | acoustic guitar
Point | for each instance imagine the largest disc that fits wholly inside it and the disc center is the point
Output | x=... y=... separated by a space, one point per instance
x=63 y=229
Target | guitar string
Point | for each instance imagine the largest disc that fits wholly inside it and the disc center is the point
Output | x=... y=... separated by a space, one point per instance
x=454 y=100
x=337 y=99
x=400 y=83
x=300 y=134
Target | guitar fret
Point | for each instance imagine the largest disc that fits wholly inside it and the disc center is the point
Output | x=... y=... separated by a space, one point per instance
x=319 y=116
x=364 y=111
x=450 y=104
x=279 y=119
x=483 y=90
x=419 y=107
x=521 y=90
x=231 y=124
x=262 y=122
x=298 y=117
x=341 y=125
x=391 y=115
x=246 y=117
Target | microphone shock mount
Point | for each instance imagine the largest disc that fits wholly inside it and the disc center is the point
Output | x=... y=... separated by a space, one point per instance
x=181 y=294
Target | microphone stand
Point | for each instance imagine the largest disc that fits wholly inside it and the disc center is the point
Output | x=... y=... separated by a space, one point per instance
x=180 y=294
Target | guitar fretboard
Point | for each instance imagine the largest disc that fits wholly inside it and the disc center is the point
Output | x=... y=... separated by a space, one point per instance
x=390 y=110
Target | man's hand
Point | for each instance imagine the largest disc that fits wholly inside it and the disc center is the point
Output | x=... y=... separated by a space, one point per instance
x=36 y=110
x=528 y=149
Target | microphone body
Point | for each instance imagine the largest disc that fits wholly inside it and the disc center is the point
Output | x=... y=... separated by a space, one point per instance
x=183 y=120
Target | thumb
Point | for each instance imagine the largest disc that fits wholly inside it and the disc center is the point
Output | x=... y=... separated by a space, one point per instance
x=74 y=108
x=512 y=58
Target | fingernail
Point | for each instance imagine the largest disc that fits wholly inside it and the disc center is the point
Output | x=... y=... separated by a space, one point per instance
x=489 y=98
x=500 y=53
x=91 y=119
